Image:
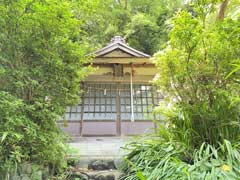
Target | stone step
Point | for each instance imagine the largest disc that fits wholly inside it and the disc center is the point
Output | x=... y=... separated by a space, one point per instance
x=103 y=162
x=96 y=175
x=97 y=168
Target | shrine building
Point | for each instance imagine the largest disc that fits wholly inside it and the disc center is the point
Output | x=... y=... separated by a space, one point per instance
x=118 y=97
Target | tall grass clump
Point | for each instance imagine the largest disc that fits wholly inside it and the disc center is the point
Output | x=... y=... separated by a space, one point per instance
x=201 y=122
x=157 y=159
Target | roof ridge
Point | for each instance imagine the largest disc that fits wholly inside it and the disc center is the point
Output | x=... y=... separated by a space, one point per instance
x=119 y=43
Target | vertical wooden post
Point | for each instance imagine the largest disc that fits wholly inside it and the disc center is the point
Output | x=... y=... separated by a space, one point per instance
x=155 y=125
x=131 y=86
x=118 y=110
x=82 y=110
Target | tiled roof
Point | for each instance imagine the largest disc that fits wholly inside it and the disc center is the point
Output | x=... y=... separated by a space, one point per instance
x=118 y=43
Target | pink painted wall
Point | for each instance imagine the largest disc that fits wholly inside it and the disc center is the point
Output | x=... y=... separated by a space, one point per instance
x=135 y=128
x=71 y=128
x=107 y=128
x=99 y=128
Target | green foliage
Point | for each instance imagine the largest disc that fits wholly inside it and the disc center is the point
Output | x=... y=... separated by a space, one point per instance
x=142 y=32
x=14 y=124
x=192 y=75
x=201 y=122
x=41 y=66
x=200 y=136
x=148 y=28
x=155 y=159
x=142 y=23
x=101 y=20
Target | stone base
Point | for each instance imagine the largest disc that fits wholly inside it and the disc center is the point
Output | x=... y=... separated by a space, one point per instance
x=96 y=175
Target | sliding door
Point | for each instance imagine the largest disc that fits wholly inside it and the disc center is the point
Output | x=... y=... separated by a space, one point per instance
x=100 y=109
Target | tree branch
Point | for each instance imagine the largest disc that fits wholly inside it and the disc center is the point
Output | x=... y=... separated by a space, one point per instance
x=222 y=10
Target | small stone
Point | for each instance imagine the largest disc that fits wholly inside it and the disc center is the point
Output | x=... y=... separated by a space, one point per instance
x=84 y=177
x=99 y=177
x=111 y=165
x=98 y=165
x=110 y=177
x=79 y=176
x=103 y=175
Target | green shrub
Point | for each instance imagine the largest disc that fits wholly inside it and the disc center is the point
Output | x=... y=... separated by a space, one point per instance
x=203 y=121
x=155 y=160
x=42 y=62
x=22 y=139
x=204 y=104
x=17 y=131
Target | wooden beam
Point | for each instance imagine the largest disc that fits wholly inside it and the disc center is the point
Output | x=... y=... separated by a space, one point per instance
x=122 y=60
x=136 y=79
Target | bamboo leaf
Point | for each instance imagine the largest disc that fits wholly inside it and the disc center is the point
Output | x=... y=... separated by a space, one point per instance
x=5 y=134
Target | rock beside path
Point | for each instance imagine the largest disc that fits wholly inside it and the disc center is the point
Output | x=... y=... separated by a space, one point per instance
x=101 y=165
x=96 y=175
x=96 y=168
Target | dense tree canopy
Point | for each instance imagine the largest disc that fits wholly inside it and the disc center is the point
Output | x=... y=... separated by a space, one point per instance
x=41 y=67
x=142 y=23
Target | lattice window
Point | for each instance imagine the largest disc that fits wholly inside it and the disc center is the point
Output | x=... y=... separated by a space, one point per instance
x=145 y=98
x=100 y=102
x=73 y=113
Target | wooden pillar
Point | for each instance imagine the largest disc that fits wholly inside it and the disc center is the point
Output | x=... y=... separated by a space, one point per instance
x=118 y=110
x=82 y=110
x=155 y=125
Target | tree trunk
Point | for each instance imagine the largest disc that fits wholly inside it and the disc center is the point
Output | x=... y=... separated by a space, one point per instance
x=222 y=10
x=126 y=4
